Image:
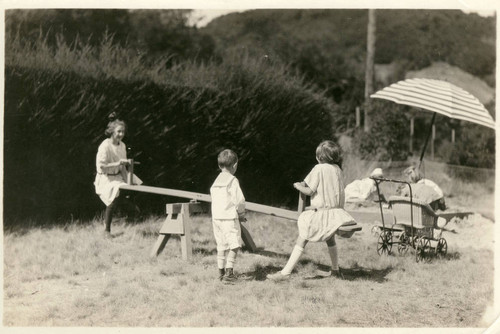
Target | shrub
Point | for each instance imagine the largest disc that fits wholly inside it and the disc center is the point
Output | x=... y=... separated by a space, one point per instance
x=178 y=120
x=388 y=135
x=474 y=147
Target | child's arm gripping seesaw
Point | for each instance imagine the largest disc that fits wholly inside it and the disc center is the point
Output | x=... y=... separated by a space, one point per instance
x=303 y=188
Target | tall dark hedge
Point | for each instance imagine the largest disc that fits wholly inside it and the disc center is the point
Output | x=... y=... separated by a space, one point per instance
x=54 y=122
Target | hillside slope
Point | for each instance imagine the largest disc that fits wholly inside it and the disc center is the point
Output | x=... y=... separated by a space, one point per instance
x=417 y=37
x=453 y=74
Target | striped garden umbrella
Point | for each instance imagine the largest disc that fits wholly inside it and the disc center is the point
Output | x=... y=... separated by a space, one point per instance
x=440 y=97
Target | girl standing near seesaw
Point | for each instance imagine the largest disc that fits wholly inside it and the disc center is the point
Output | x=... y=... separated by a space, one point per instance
x=325 y=185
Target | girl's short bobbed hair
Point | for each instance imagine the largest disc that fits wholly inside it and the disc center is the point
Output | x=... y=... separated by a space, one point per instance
x=113 y=123
x=227 y=158
x=329 y=152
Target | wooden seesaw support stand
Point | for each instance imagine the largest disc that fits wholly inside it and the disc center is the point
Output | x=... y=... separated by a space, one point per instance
x=178 y=220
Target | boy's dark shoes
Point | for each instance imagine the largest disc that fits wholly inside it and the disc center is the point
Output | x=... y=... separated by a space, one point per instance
x=221 y=274
x=337 y=274
x=229 y=276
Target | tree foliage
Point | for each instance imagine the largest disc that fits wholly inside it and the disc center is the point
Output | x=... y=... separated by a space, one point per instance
x=150 y=33
x=424 y=36
x=178 y=120
x=329 y=48
x=388 y=137
x=476 y=148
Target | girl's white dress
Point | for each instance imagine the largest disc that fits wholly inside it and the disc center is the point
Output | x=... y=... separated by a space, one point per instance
x=108 y=179
x=327 y=201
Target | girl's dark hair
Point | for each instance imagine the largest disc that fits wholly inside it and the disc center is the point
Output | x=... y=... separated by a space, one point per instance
x=113 y=123
x=329 y=152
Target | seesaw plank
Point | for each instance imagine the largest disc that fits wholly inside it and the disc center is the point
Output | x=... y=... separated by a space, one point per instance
x=268 y=210
x=167 y=192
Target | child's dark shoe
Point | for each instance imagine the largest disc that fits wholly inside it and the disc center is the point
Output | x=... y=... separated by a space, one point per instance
x=229 y=276
x=221 y=274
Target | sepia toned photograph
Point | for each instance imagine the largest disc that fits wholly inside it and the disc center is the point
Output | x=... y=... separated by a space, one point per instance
x=260 y=169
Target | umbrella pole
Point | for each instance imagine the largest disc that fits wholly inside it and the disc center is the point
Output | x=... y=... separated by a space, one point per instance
x=427 y=140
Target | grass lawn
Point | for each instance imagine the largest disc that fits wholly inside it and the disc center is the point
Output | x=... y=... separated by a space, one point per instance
x=71 y=276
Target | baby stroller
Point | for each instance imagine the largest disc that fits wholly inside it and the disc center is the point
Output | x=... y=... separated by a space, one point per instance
x=414 y=226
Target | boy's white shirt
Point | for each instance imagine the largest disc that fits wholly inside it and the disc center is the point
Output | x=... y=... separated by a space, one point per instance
x=227 y=197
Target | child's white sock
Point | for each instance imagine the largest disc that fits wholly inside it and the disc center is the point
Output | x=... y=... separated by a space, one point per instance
x=334 y=256
x=292 y=261
x=231 y=258
x=221 y=259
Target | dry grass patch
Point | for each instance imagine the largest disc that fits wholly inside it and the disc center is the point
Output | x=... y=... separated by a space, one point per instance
x=71 y=276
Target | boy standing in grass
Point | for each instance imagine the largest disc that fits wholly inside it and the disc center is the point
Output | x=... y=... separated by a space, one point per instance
x=228 y=206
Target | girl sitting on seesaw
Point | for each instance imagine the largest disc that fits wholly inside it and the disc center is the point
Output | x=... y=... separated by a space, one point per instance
x=111 y=165
x=325 y=185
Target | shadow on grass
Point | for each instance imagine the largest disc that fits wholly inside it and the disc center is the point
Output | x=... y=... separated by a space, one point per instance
x=263 y=252
x=351 y=274
x=149 y=234
x=448 y=257
x=116 y=235
x=260 y=272
x=213 y=251
x=205 y=251
x=452 y=256
x=360 y=273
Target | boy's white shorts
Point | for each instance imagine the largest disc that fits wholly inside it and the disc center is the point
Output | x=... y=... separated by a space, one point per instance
x=227 y=233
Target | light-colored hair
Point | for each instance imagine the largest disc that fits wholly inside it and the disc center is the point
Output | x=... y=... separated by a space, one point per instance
x=329 y=152
x=413 y=174
x=114 y=122
x=227 y=158
x=377 y=172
